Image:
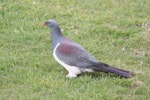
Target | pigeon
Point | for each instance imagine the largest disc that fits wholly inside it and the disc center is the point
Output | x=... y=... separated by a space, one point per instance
x=74 y=58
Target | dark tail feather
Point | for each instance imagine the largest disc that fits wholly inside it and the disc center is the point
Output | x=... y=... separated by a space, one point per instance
x=101 y=67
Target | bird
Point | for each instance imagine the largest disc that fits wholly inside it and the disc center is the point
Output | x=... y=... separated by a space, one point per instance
x=74 y=58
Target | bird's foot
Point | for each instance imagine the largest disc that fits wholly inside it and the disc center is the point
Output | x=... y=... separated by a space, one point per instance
x=71 y=75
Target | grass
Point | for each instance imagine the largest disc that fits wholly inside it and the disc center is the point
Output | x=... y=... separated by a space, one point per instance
x=114 y=31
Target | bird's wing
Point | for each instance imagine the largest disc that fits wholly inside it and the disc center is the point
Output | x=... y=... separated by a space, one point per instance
x=73 y=54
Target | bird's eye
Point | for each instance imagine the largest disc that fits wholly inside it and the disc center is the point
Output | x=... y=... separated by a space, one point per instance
x=47 y=22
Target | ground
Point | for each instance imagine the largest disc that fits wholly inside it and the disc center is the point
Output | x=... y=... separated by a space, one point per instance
x=116 y=32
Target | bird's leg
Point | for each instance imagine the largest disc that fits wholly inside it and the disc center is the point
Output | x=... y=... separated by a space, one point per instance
x=71 y=75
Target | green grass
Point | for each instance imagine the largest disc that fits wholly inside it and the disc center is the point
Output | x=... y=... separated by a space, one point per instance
x=116 y=32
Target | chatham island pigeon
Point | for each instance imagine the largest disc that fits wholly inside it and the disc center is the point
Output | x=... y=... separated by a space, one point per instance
x=74 y=58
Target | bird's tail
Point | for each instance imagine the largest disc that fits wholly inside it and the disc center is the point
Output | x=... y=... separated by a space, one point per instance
x=101 y=67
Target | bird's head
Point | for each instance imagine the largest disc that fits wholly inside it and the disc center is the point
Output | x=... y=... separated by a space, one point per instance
x=50 y=23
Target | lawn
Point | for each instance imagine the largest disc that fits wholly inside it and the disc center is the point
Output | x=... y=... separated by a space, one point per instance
x=116 y=32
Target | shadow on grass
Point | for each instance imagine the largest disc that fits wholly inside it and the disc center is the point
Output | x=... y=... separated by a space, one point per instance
x=114 y=78
x=96 y=75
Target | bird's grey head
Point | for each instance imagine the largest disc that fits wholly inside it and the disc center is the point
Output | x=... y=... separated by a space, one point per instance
x=50 y=23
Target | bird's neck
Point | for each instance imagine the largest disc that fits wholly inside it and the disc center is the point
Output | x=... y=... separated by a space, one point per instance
x=56 y=36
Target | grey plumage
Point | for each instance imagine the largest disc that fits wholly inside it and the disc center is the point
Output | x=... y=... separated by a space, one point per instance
x=70 y=54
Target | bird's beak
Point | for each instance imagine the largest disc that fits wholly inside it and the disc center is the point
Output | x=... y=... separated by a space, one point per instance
x=43 y=24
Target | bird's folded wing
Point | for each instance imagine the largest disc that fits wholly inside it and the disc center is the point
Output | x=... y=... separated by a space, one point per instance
x=73 y=54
